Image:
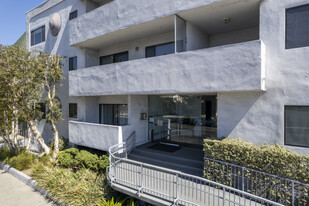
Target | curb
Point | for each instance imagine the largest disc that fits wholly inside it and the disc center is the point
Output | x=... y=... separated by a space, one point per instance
x=28 y=181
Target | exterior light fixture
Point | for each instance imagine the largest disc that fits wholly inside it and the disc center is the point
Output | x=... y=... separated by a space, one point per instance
x=143 y=116
x=226 y=20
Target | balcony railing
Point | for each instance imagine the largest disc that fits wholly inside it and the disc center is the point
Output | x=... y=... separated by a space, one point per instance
x=268 y=186
x=169 y=187
x=235 y=67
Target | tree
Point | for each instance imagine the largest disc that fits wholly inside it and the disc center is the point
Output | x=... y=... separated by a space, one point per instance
x=52 y=75
x=23 y=77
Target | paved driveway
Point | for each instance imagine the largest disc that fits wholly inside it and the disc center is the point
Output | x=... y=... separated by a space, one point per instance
x=14 y=192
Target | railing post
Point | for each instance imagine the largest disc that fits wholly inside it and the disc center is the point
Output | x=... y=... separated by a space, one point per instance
x=141 y=181
x=177 y=187
x=223 y=196
x=243 y=178
x=293 y=193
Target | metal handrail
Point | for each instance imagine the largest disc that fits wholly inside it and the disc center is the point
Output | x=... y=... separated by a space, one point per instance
x=243 y=178
x=177 y=181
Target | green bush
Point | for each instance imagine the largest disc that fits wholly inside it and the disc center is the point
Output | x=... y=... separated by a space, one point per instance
x=272 y=159
x=103 y=163
x=22 y=161
x=5 y=153
x=62 y=144
x=65 y=159
x=73 y=158
x=87 y=160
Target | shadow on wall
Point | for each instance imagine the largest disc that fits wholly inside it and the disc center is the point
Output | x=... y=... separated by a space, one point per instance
x=234 y=108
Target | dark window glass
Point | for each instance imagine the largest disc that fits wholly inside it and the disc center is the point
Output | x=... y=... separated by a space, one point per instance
x=113 y=114
x=42 y=109
x=38 y=36
x=121 y=57
x=73 y=110
x=297 y=126
x=73 y=15
x=159 y=50
x=297 y=29
x=106 y=60
x=72 y=63
x=114 y=58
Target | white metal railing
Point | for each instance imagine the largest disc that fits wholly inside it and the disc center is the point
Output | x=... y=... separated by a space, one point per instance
x=262 y=184
x=172 y=186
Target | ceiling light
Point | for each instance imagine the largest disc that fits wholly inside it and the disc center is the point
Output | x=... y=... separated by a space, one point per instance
x=226 y=20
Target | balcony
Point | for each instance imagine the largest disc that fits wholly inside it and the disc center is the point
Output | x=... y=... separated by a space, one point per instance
x=234 y=67
x=97 y=136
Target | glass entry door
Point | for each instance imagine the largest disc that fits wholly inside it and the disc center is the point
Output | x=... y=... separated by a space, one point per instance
x=187 y=119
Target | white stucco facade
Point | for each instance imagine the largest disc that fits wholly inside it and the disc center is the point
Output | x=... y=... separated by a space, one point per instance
x=234 y=49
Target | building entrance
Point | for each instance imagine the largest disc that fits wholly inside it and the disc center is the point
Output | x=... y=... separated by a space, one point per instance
x=182 y=118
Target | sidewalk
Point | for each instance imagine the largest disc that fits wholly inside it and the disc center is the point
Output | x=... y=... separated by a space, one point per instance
x=14 y=192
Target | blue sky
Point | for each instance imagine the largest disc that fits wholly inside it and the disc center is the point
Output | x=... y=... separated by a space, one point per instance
x=13 y=19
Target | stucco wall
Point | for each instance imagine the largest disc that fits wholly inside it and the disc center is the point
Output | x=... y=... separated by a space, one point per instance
x=121 y=14
x=236 y=67
x=97 y=136
x=259 y=117
x=196 y=39
x=60 y=45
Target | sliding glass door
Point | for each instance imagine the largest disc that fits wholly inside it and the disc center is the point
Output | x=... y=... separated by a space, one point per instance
x=182 y=118
x=113 y=114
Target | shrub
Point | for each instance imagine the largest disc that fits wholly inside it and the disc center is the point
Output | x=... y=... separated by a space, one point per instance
x=103 y=163
x=22 y=161
x=5 y=153
x=87 y=160
x=73 y=158
x=272 y=159
x=65 y=159
x=62 y=144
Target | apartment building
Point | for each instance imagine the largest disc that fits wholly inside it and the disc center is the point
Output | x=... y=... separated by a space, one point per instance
x=178 y=70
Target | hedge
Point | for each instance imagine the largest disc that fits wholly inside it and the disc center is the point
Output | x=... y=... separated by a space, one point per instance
x=272 y=159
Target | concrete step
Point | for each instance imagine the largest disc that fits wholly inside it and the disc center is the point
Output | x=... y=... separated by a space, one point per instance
x=182 y=167
x=153 y=154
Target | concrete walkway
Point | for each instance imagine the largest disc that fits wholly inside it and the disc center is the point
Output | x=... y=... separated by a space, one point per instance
x=14 y=192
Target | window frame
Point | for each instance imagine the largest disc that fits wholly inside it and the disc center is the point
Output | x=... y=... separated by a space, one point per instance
x=74 y=116
x=32 y=36
x=285 y=115
x=286 y=26
x=113 y=57
x=72 y=16
x=113 y=112
x=171 y=42
x=72 y=68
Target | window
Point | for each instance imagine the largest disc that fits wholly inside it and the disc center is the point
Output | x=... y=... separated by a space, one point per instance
x=38 y=36
x=72 y=63
x=73 y=15
x=113 y=114
x=297 y=30
x=42 y=108
x=114 y=58
x=159 y=50
x=73 y=110
x=297 y=126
